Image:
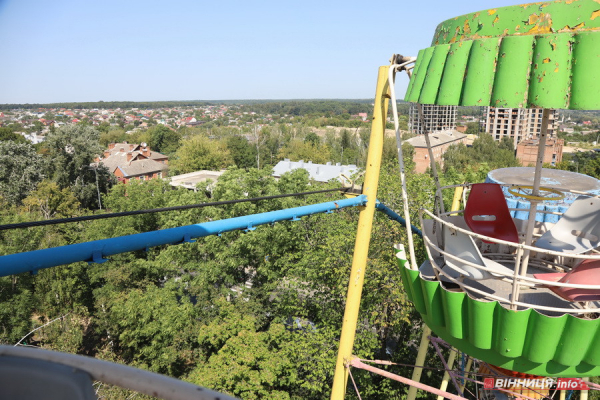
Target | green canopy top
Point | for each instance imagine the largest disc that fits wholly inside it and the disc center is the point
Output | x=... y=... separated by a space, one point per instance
x=543 y=54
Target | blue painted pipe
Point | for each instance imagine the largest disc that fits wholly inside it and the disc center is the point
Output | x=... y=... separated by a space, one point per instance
x=393 y=215
x=95 y=251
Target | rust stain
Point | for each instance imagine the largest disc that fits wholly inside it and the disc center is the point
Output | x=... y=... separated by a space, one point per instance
x=541 y=77
x=492 y=11
x=595 y=14
x=533 y=4
x=517 y=28
x=546 y=60
x=570 y=1
x=495 y=20
x=577 y=27
x=466 y=27
x=476 y=15
x=533 y=19
x=556 y=69
x=541 y=23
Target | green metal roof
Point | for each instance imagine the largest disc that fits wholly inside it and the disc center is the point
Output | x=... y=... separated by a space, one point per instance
x=524 y=341
x=543 y=54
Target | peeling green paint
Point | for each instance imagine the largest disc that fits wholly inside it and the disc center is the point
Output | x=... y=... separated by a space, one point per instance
x=500 y=70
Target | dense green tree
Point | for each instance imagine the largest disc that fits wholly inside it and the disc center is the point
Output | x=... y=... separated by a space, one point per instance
x=153 y=328
x=484 y=151
x=163 y=139
x=506 y=143
x=51 y=201
x=21 y=168
x=297 y=150
x=199 y=152
x=473 y=128
x=312 y=138
x=242 y=152
x=8 y=134
x=113 y=136
x=72 y=150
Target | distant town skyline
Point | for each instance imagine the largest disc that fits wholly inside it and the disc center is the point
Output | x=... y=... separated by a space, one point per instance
x=70 y=51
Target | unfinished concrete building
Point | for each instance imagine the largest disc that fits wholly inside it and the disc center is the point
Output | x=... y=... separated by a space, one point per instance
x=518 y=123
x=436 y=118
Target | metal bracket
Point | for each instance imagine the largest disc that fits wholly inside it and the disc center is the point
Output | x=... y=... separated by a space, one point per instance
x=187 y=238
x=97 y=258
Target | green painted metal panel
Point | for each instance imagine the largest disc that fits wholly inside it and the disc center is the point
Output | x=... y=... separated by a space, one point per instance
x=419 y=73
x=512 y=71
x=481 y=67
x=433 y=77
x=563 y=346
x=454 y=73
x=527 y=19
x=586 y=69
x=480 y=333
x=565 y=39
x=455 y=314
x=542 y=351
x=509 y=336
x=411 y=82
x=433 y=303
x=593 y=354
x=410 y=279
x=551 y=73
x=575 y=340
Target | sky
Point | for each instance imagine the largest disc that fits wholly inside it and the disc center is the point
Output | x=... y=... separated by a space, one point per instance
x=120 y=50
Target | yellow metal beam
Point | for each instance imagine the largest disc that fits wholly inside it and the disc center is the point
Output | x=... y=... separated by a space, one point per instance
x=363 y=236
x=420 y=362
x=458 y=192
x=446 y=377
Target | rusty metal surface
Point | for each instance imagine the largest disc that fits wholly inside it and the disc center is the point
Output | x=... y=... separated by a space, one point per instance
x=543 y=54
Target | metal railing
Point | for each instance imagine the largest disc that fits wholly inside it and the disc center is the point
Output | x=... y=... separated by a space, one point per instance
x=551 y=261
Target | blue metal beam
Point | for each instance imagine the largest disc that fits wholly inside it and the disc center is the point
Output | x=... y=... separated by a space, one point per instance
x=393 y=215
x=95 y=251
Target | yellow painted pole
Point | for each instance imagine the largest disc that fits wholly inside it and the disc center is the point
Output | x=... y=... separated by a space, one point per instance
x=446 y=377
x=467 y=369
x=421 y=355
x=584 y=393
x=563 y=395
x=363 y=236
x=458 y=191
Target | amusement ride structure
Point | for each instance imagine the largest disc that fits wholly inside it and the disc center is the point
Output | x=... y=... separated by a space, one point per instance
x=521 y=297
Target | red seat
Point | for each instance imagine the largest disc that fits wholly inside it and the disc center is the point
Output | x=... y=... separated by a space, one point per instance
x=586 y=273
x=486 y=213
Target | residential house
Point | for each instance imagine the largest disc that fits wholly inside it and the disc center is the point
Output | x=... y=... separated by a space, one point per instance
x=134 y=161
x=527 y=151
x=440 y=141
x=316 y=172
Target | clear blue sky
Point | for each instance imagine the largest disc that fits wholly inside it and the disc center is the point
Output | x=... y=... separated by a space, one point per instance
x=67 y=50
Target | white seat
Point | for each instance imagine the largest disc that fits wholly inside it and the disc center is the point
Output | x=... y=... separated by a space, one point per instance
x=577 y=231
x=462 y=246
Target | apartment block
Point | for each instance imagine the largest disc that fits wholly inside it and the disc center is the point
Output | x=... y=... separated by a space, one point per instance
x=518 y=123
x=436 y=118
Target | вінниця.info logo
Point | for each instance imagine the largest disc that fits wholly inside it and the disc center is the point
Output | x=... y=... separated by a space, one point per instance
x=539 y=383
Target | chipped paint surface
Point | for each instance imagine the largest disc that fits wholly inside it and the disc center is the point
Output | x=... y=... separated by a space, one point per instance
x=533 y=19
x=544 y=54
